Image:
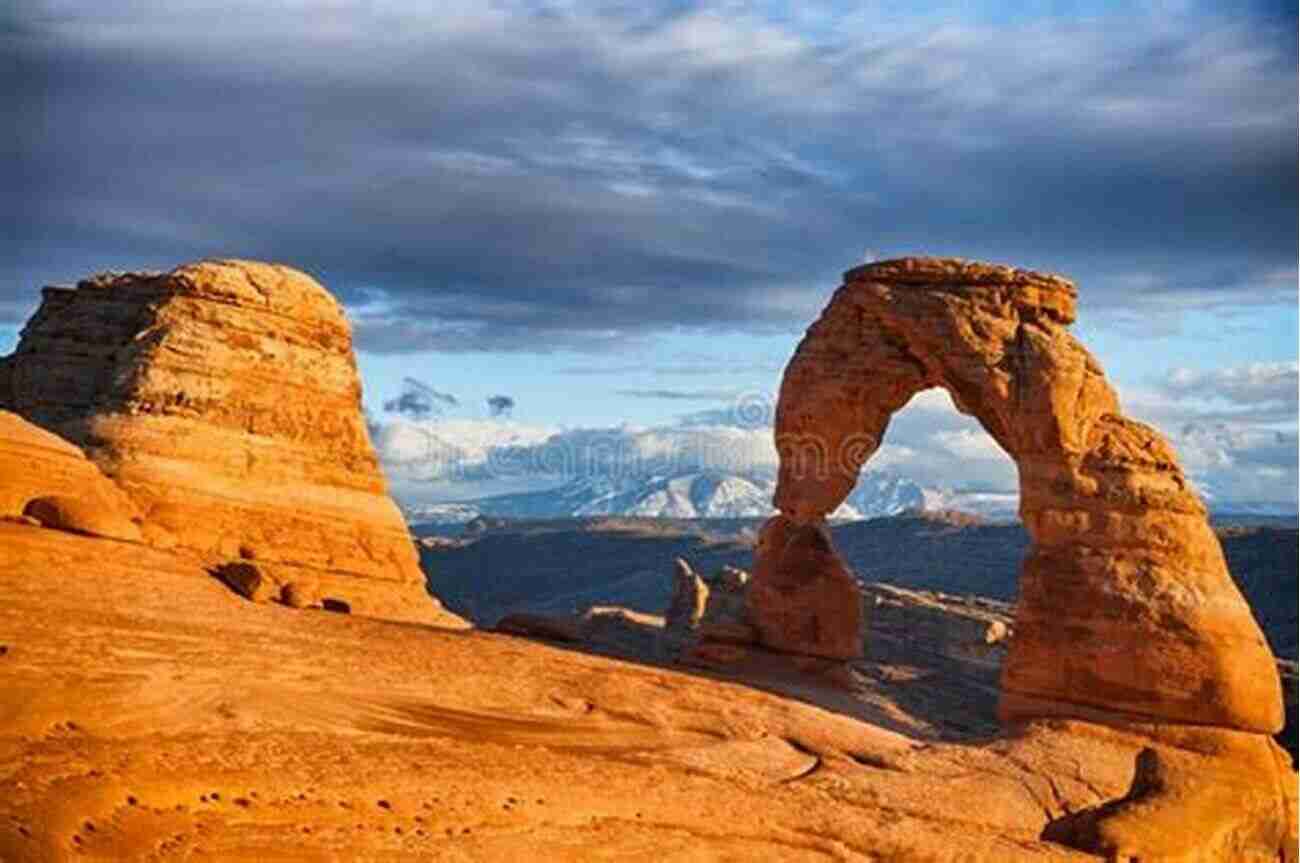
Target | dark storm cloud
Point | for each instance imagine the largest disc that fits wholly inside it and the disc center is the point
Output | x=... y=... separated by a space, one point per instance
x=419 y=401
x=539 y=179
x=500 y=405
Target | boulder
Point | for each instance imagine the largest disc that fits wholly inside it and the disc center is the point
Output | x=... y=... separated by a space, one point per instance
x=46 y=480
x=250 y=580
x=303 y=593
x=81 y=515
x=224 y=398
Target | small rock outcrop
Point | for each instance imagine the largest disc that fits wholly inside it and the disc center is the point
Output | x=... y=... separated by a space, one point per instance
x=223 y=398
x=1127 y=615
x=689 y=598
x=50 y=482
x=726 y=614
x=967 y=630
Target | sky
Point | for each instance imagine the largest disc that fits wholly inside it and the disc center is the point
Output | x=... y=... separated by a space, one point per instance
x=556 y=218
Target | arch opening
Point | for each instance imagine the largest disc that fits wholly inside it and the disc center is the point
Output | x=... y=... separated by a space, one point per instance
x=942 y=459
x=1125 y=608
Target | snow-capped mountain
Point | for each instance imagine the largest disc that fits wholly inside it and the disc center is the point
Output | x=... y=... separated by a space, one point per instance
x=704 y=494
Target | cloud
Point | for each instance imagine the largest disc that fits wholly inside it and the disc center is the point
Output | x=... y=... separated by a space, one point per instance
x=500 y=405
x=1232 y=464
x=457 y=450
x=679 y=395
x=1241 y=385
x=419 y=400
x=691 y=363
x=928 y=442
x=1242 y=462
x=1234 y=428
x=583 y=177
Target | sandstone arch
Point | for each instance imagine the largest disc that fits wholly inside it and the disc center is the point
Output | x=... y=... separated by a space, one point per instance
x=1127 y=610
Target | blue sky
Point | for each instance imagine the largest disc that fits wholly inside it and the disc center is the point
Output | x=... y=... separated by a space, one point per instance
x=618 y=213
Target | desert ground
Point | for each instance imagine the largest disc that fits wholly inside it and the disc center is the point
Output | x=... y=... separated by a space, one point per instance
x=150 y=713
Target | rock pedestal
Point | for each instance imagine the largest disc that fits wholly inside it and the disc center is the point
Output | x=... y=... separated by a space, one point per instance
x=803 y=598
x=224 y=398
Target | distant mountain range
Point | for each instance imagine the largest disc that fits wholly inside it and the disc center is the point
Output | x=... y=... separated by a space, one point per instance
x=558 y=566
x=707 y=495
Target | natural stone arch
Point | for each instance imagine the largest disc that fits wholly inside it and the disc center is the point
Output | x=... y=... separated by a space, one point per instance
x=1126 y=606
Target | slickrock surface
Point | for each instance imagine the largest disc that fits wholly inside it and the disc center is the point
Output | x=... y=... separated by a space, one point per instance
x=1127 y=614
x=48 y=479
x=149 y=713
x=224 y=398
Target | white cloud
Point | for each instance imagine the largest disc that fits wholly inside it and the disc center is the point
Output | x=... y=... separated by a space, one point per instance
x=1247 y=459
x=969 y=444
x=1234 y=429
x=1243 y=385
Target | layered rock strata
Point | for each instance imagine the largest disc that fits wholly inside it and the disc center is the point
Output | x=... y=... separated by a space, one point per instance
x=1127 y=614
x=46 y=480
x=224 y=398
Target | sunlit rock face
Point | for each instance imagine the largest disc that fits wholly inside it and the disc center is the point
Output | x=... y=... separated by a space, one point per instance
x=1126 y=615
x=47 y=481
x=224 y=398
x=1126 y=604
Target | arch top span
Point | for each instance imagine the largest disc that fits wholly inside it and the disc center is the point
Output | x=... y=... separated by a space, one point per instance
x=1126 y=605
x=1048 y=293
x=995 y=337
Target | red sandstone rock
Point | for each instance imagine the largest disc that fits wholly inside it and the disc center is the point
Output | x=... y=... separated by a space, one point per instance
x=803 y=597
x=250 y=581
x=1127 y=615
x=224 y=398
x=1126 y=604
x=79 y=515
x=50 y=481
x=686 y=607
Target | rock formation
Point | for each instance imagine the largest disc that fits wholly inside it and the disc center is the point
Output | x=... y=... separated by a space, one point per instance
x=689 y=598
x=50 y=481
x=1127 y=614
x=803 y=598
x=223 y=397
x=968 y=630
x=726 y=613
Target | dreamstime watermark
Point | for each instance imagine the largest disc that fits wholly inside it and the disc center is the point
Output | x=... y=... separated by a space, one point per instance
x=733 y=445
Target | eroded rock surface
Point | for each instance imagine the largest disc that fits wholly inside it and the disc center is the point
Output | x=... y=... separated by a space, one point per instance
x=689 y=598
x=48 y=480
x=223 y=397
x=804 y=599
x=1127 y=615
